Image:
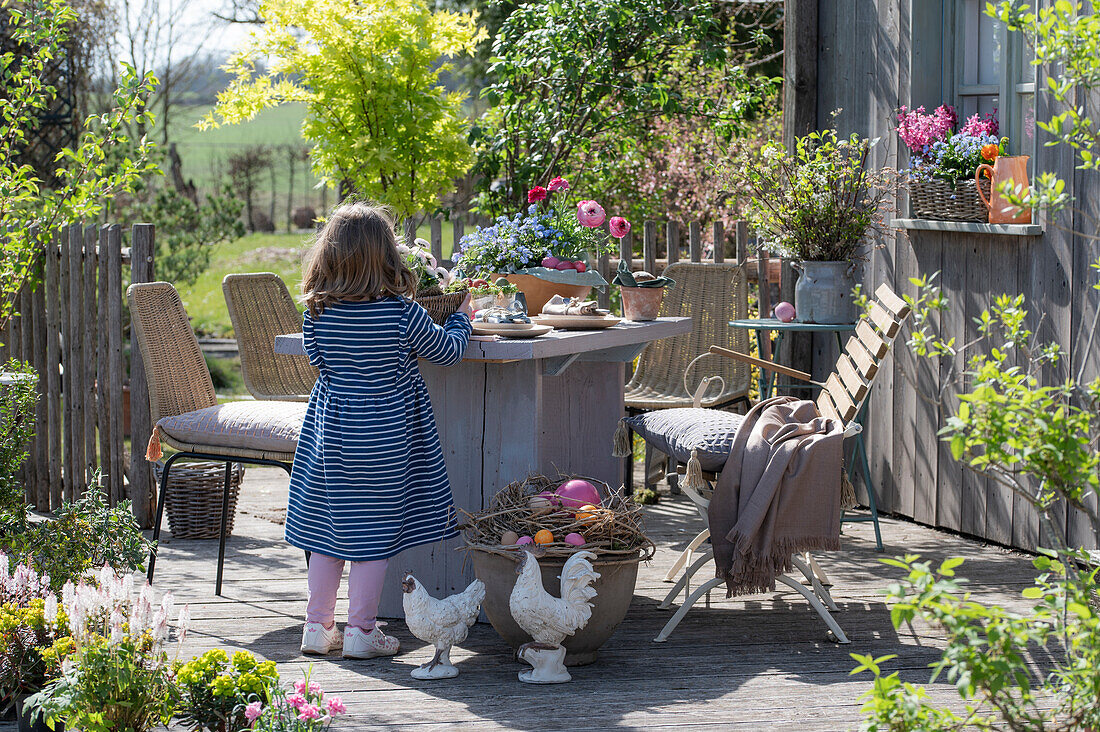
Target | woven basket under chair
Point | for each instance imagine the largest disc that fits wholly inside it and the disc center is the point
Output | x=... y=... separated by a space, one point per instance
x=938 y=199
x=194 y=501
x=440 y=306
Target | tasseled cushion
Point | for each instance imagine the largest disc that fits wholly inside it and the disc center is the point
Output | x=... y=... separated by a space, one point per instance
x=708 y=433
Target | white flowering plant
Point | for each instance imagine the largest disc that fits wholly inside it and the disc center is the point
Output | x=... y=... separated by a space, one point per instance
x=30 y=624
x=429 y=274
x=114 y=672
x=817 y=202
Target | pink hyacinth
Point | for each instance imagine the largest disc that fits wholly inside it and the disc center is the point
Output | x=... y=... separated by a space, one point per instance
x=919 y=129
x=978 y=126
x=309 y=711
x=335 y=706
x=296 y=700
x=619 y=226
x=253 y=711
x=590 y=214
x=558 y=184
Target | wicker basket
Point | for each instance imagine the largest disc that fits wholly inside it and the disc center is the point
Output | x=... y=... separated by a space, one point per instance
x=938 y=199
x=194 y=504
x=440 y=306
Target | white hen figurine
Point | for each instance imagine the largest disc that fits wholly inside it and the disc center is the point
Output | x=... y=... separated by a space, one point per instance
x=548 y=619
x=442 y=623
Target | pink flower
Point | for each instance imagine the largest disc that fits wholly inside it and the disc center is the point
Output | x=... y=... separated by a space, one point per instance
x=536 y=194
x=590 y=214
x=620 y=227
x=309 y=711
x=296 y=700
x=919 y=129
x=253 y=711
x=981 y=127
x=335 y=706
x=558 y=184
x=300 y=686
x=315 y=688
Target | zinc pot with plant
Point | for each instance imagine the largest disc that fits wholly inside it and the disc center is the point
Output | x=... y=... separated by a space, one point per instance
x=815 y=205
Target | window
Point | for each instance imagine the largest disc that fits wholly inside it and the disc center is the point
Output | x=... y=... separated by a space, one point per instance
x=992 y=71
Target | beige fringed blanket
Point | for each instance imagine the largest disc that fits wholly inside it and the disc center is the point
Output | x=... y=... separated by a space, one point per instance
x=778 y=494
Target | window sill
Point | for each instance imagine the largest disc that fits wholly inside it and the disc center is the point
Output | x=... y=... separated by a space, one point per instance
x=967 y=227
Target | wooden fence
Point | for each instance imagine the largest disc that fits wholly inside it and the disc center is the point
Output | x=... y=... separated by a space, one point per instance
x=70 y=329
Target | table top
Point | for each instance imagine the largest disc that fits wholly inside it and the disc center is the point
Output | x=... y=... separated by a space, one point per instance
x=553 y=344
x=776 y=324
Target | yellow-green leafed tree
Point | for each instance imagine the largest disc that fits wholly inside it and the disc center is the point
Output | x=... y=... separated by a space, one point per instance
x=368 y=72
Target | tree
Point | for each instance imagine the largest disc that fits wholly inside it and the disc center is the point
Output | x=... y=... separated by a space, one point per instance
x=245 y=169
x=368 y=72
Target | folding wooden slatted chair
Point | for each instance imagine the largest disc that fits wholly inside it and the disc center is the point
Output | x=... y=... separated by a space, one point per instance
x=842 y=397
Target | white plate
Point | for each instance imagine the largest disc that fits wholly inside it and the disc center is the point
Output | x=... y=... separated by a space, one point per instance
x=511 y=330
x=577 y=322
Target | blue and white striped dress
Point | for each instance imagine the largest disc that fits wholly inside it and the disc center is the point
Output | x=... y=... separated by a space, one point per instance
x=369 y=479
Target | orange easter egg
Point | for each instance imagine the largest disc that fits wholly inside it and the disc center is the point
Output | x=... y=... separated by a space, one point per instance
x=545 y=536
x=587 y=513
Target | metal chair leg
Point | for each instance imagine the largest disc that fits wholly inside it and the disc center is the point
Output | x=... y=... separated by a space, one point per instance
x=684 y=579
x=817 y=570
x=685 y=556
x=221 y=533
x=821 y=610
x=818 y=588
x=682 y=611
x=872 y=504
x=162 y=495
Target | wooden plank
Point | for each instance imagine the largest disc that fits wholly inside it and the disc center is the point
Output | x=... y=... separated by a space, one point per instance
x=437 y=238
x=928 y=257
x=846 y=407
x=626 y=248
x=76 y=353
x=741 y=243
x=143 y=247
x=826 y=406
x=88 y=365
x=849 y=375
x=977 y=253
x=953 y=324
x=672 y=241
x=41 y=413
x=865 y=363
x=66 y=359
x=53 y=359
x=718 y=236
x=103 y=370
x=760 y=363
x=26 y=352
x=890 y=300
x=116 y=371
x=872 y=340
x=695 y=242
x=649 y=247
x=883 y=320
x=800 y=69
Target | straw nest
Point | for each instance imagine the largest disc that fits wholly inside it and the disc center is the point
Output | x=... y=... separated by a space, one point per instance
x=615 y=531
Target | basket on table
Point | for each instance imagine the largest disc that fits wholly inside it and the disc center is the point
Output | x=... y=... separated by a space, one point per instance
x=440 y=306
x=194 y=503
x=939 y=199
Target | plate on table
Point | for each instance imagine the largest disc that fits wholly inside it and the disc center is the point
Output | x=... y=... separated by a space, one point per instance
x=511 y=330
x=577 y=322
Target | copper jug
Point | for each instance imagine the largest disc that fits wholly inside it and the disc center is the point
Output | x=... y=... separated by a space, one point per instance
x=1004 y=169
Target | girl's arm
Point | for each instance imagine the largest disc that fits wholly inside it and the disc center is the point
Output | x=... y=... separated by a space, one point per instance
x=310 y=341
x=443 y=345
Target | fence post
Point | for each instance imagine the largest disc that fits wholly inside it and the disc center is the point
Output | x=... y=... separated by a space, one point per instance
x=88 y=365
x=103 y=372
x=114 y=360
x=53 y=359
x=74 y=347
x=672 y=242
x=695 y=242
x=26 y=352
x=41 y=415
x=142 y=249
x=719 y=235
x=437 y=239
x=649 y=247
x=742 y=243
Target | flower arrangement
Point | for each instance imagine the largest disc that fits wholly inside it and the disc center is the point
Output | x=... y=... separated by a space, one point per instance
x=816 y=203
x=112 y=671
x=307 y=709
x=938 y=151
x=551 y=234
x=215 y=690
x=430 y=275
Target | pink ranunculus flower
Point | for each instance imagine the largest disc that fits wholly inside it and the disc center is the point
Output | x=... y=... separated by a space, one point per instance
x=301 y=686
x=315 y=688
x=309 y=711
x=253 y=711
x=335 y=705
x=619 y=226
x=536 y=194
x=296 y=700
x=590 y=214
x=558 y=184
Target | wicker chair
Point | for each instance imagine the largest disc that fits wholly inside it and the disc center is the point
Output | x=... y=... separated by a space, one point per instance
x=261 y=308
x=185 y=412
x=712 y=294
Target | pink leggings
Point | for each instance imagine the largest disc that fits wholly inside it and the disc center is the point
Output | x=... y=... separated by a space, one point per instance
x=364 y=590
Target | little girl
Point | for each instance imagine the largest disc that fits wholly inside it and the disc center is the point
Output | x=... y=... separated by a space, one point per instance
x=368 y=479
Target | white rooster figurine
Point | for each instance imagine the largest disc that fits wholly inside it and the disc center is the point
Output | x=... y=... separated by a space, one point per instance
x=549 y=619
x=442 y=623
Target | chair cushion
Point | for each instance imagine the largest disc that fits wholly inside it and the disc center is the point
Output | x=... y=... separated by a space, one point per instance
x=676 y=432
x=265 y=426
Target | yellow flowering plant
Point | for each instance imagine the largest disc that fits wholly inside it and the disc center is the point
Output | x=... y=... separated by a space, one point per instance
x=215 y=689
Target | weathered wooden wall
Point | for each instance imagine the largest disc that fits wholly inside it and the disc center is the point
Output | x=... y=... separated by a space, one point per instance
x=874 y=56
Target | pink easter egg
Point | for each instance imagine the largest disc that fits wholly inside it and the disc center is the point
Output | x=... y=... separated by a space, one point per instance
x=784 y=312
x=575 y=539
x=550 y=262
x=524 y=540
x=563 y=266
x=577 y=493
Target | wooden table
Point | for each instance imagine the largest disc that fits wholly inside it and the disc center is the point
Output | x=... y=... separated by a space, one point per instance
x=519 y=406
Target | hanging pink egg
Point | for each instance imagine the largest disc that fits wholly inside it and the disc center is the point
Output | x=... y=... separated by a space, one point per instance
x=576 y=493
x=784 y=312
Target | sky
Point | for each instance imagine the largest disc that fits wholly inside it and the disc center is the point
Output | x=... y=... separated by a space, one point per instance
x=218 y=36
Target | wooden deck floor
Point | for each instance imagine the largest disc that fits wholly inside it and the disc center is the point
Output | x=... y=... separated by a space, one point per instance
x=762 y=662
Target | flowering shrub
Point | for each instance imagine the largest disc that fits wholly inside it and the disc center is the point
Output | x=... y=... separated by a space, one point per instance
x=939 y=151
x=305 y=710
x=817 y=203
x=514 y=244
x=114 y=673
x=216 y=691
x=30 y=623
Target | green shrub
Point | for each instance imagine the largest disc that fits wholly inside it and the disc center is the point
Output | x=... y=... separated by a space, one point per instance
x=17 y=403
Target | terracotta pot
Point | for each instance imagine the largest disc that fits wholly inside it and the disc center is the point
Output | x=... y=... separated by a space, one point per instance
x=538 y=291
x=642 y=303
x=614 y=591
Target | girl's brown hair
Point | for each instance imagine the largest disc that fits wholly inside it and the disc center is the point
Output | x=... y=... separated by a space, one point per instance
x=355 y=257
